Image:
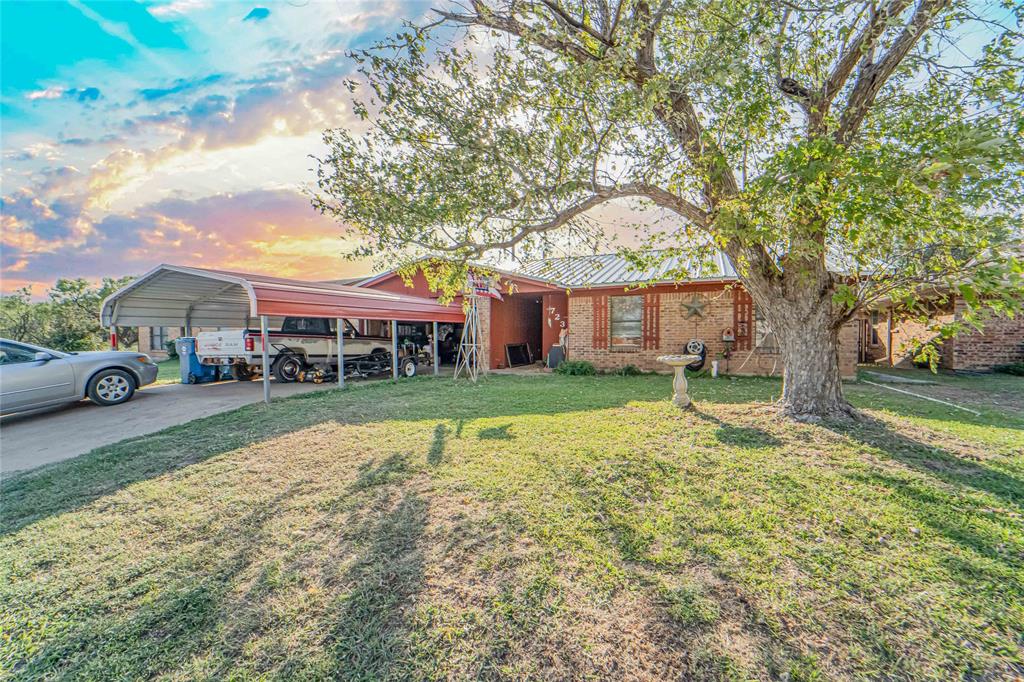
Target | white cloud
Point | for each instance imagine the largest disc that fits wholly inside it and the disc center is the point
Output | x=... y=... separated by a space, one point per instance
x=177 y=7
x=48 y=93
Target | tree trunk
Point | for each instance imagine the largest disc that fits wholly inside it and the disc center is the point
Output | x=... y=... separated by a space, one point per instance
x=812 y=387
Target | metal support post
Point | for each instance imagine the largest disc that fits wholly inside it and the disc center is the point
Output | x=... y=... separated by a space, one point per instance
x=437 y=358
x=341 y=353
x=394 y=349
x=265 y=341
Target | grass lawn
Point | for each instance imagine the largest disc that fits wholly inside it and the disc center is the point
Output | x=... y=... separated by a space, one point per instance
x=169 y=371
x=546 y=527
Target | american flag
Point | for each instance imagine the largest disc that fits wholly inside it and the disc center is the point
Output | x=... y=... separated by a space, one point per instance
x=482 y=286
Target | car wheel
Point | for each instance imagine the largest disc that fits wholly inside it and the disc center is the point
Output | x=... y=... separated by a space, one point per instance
x=111 y=387
x=408 y=367
x=288 y=367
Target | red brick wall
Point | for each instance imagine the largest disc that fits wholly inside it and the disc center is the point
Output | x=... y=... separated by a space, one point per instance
x=1001 y=341
x=484 y=307
x=676 y=330
x=905 y=331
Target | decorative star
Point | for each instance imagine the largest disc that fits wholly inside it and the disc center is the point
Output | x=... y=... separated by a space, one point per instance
x=695 y=308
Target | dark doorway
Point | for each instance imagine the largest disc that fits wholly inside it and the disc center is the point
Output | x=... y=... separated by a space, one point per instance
x=518 y=319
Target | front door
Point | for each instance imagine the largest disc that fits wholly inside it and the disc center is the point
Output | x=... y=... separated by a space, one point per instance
x=26 y=382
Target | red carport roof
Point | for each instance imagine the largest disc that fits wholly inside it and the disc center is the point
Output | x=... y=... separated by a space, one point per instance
x=170 y=294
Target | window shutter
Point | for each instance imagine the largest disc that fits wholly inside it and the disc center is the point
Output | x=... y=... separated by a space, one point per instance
x=742 y=318
x=651 y=323
x=600 y=339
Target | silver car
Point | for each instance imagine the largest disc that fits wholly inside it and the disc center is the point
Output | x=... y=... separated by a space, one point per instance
x=32 y=377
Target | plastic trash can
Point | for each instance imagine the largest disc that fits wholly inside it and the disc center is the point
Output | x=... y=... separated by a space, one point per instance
x=556 y=356
x=192 y=371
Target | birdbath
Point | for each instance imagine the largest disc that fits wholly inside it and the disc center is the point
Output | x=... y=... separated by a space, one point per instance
x=679 y=363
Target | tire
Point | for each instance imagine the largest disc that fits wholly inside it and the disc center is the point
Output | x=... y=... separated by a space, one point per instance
x=407 y=368
x=241 y=372
x=192 y=378
x=288 y=367
x=696 y=347
x=111 y=387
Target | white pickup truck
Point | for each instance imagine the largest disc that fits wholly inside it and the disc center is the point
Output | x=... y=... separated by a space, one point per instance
x=302 y=344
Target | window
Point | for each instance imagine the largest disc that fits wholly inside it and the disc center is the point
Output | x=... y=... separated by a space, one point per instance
x=319 y=326
x=626 y=321
x=157 y=338
x=764 y=338
x=11 y=353
x=874 y=328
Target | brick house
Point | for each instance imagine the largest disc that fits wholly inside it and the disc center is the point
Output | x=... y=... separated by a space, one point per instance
x=152 y=340
x=886 y=337
x=615 y=315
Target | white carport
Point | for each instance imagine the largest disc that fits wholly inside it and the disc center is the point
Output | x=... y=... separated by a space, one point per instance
x=174 y=295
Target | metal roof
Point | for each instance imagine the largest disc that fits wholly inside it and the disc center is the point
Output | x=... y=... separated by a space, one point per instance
x=170 y=295
x=612 y=269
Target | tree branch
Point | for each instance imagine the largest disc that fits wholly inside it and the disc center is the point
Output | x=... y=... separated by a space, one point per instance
x=509 y=24
x=575 y=23
x=859 y=49
x=603 y=194
x=873 y=76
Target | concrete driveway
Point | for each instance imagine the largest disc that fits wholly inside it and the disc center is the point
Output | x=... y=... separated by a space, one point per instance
x=32 y=439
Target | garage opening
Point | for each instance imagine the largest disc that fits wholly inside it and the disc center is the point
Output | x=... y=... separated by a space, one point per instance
x=516 y=331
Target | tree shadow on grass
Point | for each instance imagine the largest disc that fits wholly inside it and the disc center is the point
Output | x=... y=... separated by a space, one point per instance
x=177 y=619
x=229 y=612
x=370 y=638
x=930 y=500
x=738 y=436
x=437 y=446
x=496 y=433
x=938 y=462
x=31 y=496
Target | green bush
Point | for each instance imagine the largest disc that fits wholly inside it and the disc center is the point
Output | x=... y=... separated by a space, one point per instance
x=578 y=368
x=628 y=371
x=1014 y=368
x=172 y=349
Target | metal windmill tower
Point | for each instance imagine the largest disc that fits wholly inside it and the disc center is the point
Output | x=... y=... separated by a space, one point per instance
x=468 y=360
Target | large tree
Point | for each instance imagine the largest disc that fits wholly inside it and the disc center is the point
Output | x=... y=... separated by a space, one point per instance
x=839 y=152
x=67 y=320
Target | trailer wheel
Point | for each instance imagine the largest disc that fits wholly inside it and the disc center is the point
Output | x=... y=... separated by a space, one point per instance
x=288 y=367
x=408 y=368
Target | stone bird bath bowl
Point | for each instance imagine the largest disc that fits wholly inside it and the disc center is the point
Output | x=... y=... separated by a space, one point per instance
x=679 y=363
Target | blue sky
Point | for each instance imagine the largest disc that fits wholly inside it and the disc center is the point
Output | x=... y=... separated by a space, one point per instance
x=135 y=133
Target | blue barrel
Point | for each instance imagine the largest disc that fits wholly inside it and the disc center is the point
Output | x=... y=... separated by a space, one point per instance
x=191 y=370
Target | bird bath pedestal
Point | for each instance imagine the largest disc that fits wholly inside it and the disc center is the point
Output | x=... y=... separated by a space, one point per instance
x=679 y=363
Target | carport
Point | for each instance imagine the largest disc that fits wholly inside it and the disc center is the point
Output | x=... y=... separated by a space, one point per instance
x=175 y=295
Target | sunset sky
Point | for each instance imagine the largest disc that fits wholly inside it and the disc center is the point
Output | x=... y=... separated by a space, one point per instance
x=179 y=131
x=174 y=132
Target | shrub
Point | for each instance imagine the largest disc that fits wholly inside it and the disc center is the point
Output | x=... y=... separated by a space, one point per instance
x=628 y=371
x=172 y=349
x=1014 y=368
x=577 y=368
